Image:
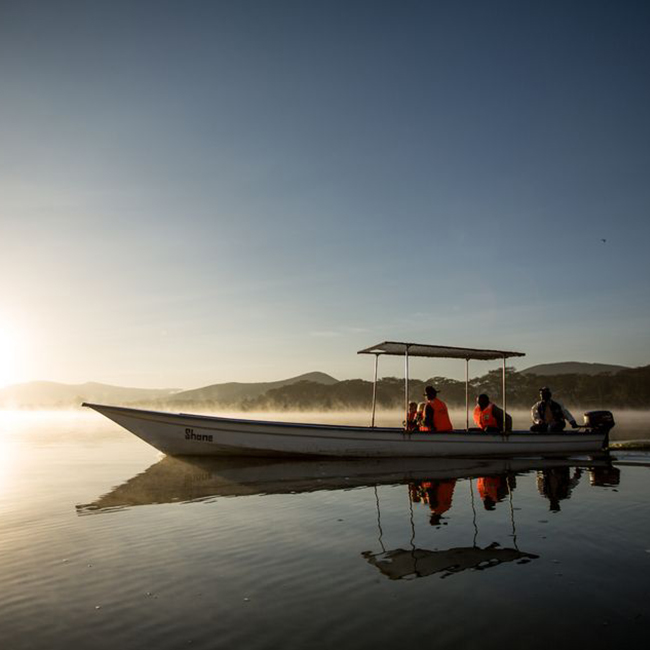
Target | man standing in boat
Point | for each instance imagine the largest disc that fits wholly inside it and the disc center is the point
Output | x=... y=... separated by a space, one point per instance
x=436 y=416
x=549 y=415
x=489 y=417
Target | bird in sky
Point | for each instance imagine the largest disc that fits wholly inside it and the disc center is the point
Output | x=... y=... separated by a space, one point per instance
x=604 y=241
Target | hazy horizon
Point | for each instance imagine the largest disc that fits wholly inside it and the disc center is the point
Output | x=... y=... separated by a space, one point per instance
x=631 y=424
x=399 y=370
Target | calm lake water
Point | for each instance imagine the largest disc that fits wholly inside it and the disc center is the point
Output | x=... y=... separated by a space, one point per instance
x=104 y=543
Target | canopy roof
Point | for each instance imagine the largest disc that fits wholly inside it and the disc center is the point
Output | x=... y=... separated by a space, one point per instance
x=440 y=351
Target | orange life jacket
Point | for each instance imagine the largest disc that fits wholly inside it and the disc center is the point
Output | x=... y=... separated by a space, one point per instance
x=488 y=486
x=485 y=418
x=412 y=421
x=441 y=421
x=444 y=491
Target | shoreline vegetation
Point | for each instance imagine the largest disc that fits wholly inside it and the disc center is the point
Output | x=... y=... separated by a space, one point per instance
x=628 y=389
x=625 y=389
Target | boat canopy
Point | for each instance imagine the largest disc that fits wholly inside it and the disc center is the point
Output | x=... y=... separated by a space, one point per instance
x=407 y=350
x=397 y=348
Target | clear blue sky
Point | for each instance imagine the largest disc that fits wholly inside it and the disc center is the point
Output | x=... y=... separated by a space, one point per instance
x=196 y=192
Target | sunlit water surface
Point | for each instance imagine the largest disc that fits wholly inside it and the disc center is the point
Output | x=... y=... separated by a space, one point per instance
x=104 y=543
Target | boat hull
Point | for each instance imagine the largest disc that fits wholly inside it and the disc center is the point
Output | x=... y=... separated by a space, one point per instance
x=180 y=434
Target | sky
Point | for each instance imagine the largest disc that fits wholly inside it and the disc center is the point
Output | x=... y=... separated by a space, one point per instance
x=209 y=191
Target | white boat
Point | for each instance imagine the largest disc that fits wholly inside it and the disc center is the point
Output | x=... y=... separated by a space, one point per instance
x=183 y=434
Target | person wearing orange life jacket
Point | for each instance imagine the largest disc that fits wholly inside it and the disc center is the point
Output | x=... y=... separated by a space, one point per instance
x=489 y=417
x=436 y=416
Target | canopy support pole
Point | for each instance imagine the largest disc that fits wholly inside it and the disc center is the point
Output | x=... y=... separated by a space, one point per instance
x=504 y=394
x=374 y=392
x=467 y=394
x=406 y=386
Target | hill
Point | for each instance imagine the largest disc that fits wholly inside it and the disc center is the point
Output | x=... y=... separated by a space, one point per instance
x=625 y=388
x=232 y=393
x=572 y=368
x=628 y=388
x=50 y=394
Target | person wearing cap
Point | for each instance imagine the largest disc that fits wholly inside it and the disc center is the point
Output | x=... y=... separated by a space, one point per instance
x=489 y=417
x=436 y=416
x=549 y=415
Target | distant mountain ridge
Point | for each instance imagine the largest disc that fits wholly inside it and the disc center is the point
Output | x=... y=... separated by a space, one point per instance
x=572 y=368
x=50 y=394
x=235 y=392
x=625 y=388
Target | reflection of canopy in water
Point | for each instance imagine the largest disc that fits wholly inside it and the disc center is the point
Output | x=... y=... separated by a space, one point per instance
x=419 y=563
x=173 y=480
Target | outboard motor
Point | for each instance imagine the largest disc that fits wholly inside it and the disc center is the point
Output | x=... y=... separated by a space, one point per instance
x=600 y=421
x=609 y=476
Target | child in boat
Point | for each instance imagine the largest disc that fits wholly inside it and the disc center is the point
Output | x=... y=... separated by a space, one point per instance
x=412 y=423
x=420 y=416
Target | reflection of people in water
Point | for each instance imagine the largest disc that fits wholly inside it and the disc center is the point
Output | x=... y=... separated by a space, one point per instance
x=493 y=489
x=436 y=494
x=557 y=484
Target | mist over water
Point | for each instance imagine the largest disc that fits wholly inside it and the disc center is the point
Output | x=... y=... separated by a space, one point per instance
x=630 y=424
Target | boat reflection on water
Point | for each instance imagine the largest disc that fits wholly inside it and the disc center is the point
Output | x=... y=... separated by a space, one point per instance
x=431 y=483
x=178 y=480
x=556 y=480
x=415 y=562
x=173 y=480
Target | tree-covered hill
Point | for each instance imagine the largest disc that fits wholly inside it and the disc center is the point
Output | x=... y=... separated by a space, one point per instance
x=629 y=388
